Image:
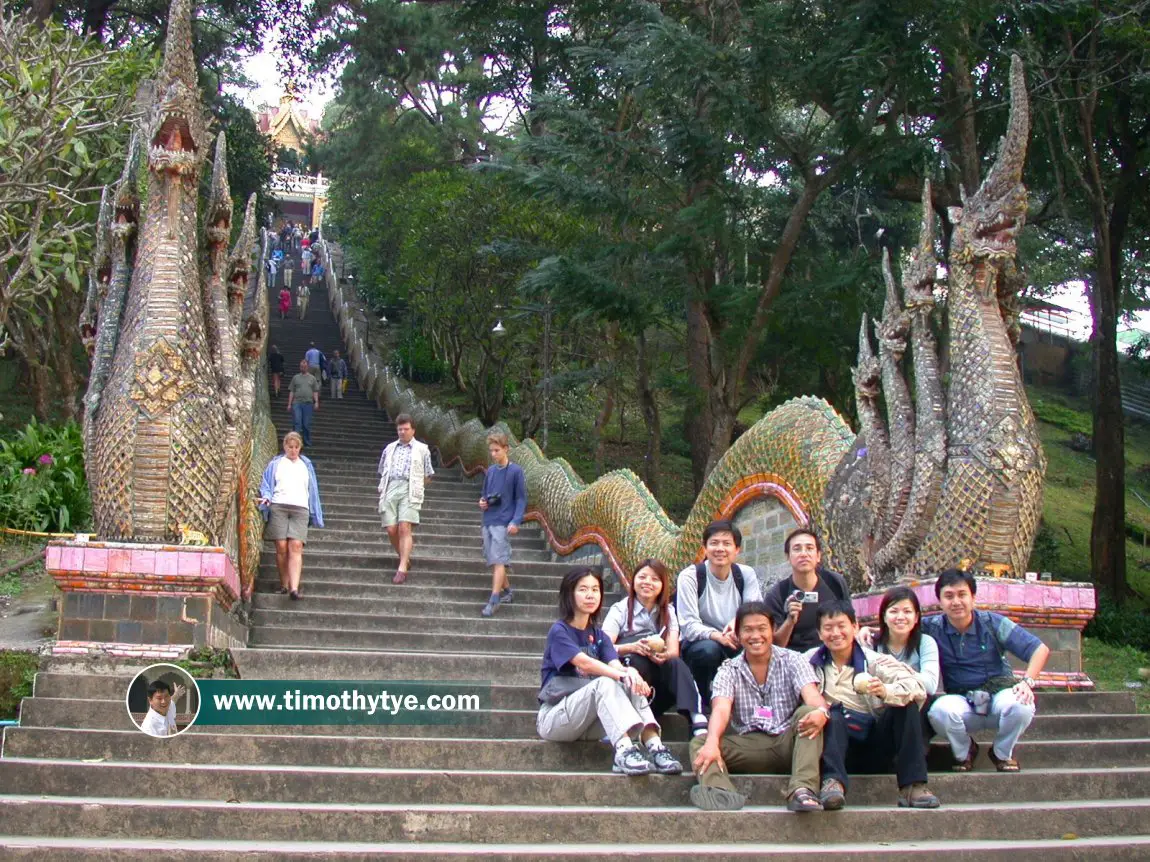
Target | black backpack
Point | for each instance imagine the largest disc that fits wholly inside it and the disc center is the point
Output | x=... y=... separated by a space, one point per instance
x=701 y=579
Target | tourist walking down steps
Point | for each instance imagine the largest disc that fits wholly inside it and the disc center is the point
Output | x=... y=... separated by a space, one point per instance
x=404 y=470
x=289 y=500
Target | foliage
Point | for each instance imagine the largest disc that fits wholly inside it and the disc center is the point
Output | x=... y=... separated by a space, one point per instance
x=417 y=360
x=42 y=482
x=1115 y=666
x=249 y=157
x=1055 y=413
x=17 y=672
x=1121 y=625
x=209 y=663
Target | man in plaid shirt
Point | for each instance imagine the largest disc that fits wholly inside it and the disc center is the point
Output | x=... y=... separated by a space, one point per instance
x=767 y=715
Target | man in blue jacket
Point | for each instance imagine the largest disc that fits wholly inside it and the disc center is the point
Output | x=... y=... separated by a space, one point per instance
x=503 y=503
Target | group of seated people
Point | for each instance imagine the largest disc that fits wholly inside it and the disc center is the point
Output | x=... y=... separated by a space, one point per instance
x=787 y=683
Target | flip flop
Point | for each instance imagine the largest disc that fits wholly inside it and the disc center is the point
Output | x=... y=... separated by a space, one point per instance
x=716 y=798
x=1004 y=764
x=803 y=800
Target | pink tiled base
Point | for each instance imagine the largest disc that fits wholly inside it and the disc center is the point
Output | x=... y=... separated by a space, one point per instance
x=1057 y=603
x=131 y=567
x=94 y=648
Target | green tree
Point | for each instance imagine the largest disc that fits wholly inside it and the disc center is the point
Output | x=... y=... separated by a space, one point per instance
x=64 y=107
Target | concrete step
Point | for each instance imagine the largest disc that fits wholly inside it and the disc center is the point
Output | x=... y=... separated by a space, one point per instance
x=269 y=579
x=334 y=539
x=405 y=750
x=298 y=785
x=496 y=723
x=268 y=663
x=420 y=560
x=445 y=628
x=392 y=601
x=1117 y=849
x=299 y=637
x=416 y=590
x=530 y=536
x=109 y=817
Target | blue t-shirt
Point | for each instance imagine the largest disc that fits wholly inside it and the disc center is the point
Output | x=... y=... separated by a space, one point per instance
x=972 y=657
x=564 y=642
x=510 y=483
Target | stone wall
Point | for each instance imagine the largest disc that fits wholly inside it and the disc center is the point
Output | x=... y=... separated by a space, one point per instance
x=764 y=524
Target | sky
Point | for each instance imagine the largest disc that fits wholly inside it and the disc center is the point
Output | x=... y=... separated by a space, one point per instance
x=261 y=68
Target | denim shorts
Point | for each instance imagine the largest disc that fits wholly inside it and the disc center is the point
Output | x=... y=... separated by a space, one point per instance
x=496 y=546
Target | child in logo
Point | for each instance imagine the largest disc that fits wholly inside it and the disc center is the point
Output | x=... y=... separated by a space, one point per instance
x=161 y=717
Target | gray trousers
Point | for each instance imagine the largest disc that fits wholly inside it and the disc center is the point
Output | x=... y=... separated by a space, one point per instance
x=603 y=706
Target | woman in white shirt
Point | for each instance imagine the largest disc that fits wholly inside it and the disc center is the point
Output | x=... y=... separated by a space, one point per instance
x=289 y=498
x=645 y=631
x=900 y=636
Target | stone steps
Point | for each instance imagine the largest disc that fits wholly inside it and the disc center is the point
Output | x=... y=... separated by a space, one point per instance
x=77 y=781
x=520 y=723
x=300 y=785
x=107 y=686
x=109 y=817
x=104 y=850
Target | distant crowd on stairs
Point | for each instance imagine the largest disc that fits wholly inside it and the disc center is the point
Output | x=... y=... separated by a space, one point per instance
x=786 y=682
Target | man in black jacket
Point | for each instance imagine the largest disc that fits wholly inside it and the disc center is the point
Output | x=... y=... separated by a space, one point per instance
x=793 y=600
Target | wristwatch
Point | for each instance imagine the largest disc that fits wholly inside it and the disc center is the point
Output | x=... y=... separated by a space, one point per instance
x=824 y=711
x=1029 y=681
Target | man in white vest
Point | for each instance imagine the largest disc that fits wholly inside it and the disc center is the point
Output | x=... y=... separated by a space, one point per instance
x=404 y=470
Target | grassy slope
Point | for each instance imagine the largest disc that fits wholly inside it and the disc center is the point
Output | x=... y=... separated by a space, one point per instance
x=1112 y=667
x=1069 y=497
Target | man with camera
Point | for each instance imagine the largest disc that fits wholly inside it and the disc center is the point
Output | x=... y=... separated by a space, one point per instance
x=793 y=600
x=503 y=503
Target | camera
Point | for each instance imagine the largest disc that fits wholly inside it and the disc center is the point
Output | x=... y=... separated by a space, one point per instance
x=493 y=500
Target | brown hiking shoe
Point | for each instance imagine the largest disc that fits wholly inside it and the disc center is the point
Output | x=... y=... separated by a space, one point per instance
x=832 y=795
x=917 y=796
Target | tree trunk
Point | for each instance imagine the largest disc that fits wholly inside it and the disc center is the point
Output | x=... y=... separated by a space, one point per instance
x=42 y=10
x=650 y=410
x=64 y=358
x=1108 y=530
x=600 y=427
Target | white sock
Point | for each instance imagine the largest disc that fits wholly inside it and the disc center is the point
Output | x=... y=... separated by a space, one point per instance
x=623 y=744
x=654 y=742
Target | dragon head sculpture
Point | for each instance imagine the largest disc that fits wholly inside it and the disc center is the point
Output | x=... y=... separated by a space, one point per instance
x=987 y=224
x=177 y=128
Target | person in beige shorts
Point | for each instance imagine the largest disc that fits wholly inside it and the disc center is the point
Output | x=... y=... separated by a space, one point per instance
x=289 y=499
x=404 y=469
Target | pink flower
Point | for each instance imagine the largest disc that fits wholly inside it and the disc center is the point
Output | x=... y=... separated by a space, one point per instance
x=47 y=459
x=29 y=471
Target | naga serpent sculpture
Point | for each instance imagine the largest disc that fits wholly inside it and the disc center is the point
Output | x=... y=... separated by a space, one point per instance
x=949 y=474
x=177 y=425
x=176 y=330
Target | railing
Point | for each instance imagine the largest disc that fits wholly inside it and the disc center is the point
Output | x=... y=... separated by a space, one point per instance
x=289 y=183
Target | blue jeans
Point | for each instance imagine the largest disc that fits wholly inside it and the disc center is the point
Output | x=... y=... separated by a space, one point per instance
x=704 y=658
x=301 y=420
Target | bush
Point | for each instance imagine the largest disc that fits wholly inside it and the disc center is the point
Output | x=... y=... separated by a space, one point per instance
x=17 y=670
x=417 y=360
x=1128 y=625
x=42 y=482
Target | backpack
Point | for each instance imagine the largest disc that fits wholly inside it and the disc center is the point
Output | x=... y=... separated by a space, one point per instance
x=701 y=579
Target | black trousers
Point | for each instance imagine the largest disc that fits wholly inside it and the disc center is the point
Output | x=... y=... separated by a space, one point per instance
x=896 y=739
x=704 y=658
x=673 y=684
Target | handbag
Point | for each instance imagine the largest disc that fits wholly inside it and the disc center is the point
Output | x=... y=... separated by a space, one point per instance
x=859 y=724
x=558 y=687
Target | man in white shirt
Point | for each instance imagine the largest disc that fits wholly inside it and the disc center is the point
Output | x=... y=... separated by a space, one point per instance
x=404 y=469
x=161 y=717
x=707 y=596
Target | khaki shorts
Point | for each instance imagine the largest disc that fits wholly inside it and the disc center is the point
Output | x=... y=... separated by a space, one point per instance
x=396 y=505
x=287 y=522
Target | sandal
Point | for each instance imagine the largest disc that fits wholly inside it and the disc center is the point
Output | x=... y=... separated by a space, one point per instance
x=1003 y=764
x=399 y=578
x=968 y=764
x=294 y=595
x=283 y=591
x=803 y=800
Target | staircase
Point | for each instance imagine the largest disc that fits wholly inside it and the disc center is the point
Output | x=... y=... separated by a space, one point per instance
x=78 y=782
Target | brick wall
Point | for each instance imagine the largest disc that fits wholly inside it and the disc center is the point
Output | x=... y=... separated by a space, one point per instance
x=764 y=524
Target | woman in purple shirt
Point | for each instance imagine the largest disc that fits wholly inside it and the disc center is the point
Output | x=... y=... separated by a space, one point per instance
x=584 y=684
